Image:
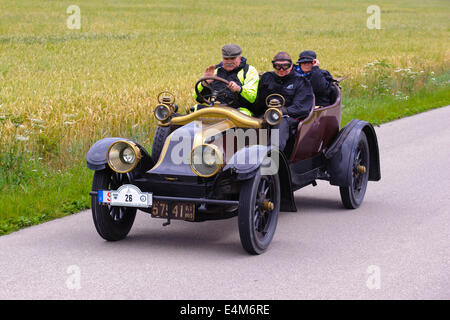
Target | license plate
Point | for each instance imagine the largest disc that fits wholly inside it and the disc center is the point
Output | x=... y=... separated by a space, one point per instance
x=180 y=210
x=127 y=195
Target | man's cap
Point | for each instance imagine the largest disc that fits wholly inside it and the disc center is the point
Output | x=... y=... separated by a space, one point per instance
x=282 y=56
x=231 y=51
x=306 y=56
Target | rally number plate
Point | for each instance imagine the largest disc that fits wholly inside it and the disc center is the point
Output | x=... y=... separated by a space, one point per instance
x=180 y=210
x=127 y=195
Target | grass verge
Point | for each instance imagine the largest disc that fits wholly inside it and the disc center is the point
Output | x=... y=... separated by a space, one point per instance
x=45 y=195
x=388 y=108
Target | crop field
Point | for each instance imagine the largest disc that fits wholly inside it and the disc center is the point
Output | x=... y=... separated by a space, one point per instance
x=61 y=89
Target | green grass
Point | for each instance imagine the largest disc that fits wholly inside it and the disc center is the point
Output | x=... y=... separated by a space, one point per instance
x=379 y=109
x=61 y=89
x=47 y=195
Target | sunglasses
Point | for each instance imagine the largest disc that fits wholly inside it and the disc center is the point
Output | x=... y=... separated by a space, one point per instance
x=282 y=66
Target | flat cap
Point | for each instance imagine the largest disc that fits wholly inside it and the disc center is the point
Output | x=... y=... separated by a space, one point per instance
x=231 y=51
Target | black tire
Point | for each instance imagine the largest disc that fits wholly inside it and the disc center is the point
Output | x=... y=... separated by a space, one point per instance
x=256 y=224
x=353 y=196
x=112 y=223
x=159 y=139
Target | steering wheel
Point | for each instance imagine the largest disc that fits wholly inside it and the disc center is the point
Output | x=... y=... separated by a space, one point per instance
x=210 y=98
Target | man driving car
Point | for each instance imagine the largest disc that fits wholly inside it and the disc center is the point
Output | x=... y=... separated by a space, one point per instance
x=243 y=80
x=296 y=90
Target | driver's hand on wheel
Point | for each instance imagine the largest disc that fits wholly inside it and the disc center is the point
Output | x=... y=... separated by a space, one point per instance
x=209 y=72
x=233 y=86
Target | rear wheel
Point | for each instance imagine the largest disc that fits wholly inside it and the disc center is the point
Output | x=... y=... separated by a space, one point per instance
x=353 y=196
x=259 y=204
x=112 y=223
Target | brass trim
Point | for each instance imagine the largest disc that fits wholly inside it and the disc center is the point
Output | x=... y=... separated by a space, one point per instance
x=219 y=166
x=274 y=96
x=268 y=205
x=168 y=114
x=163 y=151
x=210 y=130
x=238 y=118
x=361 y=169
x=279 y=113
x=166 y=94
x=133 y=146
x=198 y=138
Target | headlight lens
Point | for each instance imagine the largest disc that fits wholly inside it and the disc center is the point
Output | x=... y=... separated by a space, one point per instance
x=162 y=112
x=128 y=155
x=273 y=116
x=206 y=160
x=209 y=156
x=123 y=156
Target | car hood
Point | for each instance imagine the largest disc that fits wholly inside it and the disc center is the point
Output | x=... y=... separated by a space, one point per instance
x=175 y=155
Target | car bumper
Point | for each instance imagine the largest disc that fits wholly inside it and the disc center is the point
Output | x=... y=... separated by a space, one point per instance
x=189 y=200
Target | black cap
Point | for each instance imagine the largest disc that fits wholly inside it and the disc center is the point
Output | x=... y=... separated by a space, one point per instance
x=307 y=56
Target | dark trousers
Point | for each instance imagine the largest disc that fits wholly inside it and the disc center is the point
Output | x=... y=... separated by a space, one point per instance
x=287 y=128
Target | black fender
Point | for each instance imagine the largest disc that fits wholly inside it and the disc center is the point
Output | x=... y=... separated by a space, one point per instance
x=251 y=158
x=340 y=153
x=96 y=156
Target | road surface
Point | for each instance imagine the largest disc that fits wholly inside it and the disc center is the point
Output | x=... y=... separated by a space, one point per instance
x=395 y=246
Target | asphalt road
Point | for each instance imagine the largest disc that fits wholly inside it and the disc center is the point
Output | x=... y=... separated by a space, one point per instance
x=395 y=246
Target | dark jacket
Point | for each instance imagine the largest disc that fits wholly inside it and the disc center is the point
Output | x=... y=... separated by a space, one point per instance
x=296 y=90
x=322 y=84
x=248 y=82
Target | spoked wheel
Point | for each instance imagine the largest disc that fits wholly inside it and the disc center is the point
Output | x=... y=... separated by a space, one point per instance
x=259 y=204
x=112 y=223
x=353 y=195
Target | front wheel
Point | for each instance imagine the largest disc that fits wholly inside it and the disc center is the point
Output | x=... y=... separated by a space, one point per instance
x=159 y=139
x=259 y=204
x=353 y=195
x=112 y=223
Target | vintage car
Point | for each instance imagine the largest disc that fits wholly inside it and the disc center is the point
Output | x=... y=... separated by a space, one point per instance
x=218 y=163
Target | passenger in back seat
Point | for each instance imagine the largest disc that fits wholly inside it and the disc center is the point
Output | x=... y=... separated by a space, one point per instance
x=321 y=80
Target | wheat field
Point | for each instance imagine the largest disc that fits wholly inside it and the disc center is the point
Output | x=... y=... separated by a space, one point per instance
x=61 y=88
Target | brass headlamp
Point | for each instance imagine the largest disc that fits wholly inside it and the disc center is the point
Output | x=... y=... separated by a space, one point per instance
x=206 y=160
x=274 y=115
x=123 y=156
x=166 y=107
